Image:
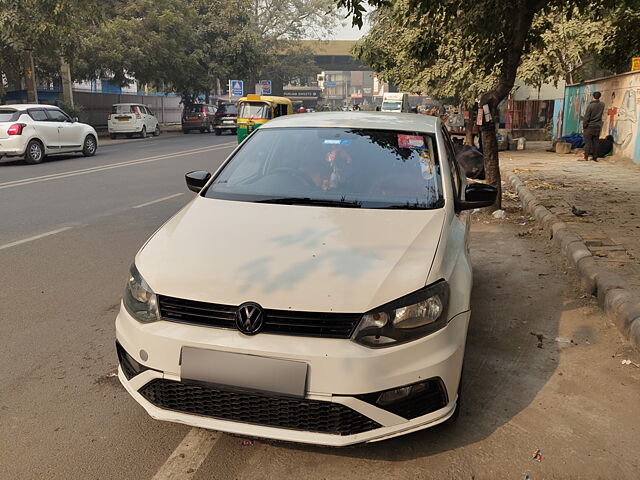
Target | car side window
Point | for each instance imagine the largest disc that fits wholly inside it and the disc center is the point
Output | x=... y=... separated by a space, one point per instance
x=55 y=115
x=149 y=112
x=453 y=164
x=38 y=115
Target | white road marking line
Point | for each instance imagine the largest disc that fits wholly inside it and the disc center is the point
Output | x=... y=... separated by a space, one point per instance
x=35 y=237
x=185 y=460
x=84 y=171
x=158 y=200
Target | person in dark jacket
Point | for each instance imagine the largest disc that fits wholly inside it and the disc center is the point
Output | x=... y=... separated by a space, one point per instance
x=591 y=125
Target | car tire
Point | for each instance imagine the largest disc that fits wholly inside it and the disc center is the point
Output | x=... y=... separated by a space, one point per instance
x=143 y=132
x=90 y=146
x=112 y=136
x=202 y=130
x=156 y=132
x=218 y=131
x=34 y=152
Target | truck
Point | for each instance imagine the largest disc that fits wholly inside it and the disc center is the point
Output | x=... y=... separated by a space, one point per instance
x=395 y=102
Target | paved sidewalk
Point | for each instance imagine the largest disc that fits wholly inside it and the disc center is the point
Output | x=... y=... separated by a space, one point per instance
x=607 y=190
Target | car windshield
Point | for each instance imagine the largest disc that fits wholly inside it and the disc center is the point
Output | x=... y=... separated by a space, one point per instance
x=194 y=108
x=341 y=167
x=7 y=115
x=228 y=108
x=254 y=110
x=391 y=106
x=116 y=109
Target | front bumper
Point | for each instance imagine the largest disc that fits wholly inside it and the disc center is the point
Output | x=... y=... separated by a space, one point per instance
x=340 y=372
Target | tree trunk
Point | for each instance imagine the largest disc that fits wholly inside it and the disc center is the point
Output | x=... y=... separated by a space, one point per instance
x=490 y=152
x=30 y=77
x=67 y=85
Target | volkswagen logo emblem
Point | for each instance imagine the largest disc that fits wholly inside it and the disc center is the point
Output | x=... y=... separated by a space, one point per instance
x=249 y=318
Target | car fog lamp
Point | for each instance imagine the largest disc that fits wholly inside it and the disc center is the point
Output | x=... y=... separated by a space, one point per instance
x=392 y=396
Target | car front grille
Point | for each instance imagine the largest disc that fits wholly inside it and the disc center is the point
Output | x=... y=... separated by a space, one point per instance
x=281 y=412
x=284 y=322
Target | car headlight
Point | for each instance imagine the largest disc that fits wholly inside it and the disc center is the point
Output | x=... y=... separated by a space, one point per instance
x=139 y=299
x=408 y=318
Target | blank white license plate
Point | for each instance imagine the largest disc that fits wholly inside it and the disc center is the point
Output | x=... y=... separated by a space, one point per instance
x=248 y=372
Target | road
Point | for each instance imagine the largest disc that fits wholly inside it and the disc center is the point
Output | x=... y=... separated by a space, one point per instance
x=69 y=230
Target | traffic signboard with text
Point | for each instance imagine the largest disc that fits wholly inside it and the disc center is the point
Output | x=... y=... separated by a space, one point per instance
x=266 y=87
x=237 y=88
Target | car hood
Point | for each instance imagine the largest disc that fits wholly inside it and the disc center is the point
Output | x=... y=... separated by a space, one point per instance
x=291 y=257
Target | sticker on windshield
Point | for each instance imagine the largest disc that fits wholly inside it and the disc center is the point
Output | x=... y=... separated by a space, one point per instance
x=411 y=141
x=336 y=141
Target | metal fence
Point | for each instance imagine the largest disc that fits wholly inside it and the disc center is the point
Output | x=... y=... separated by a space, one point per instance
x=96 y=106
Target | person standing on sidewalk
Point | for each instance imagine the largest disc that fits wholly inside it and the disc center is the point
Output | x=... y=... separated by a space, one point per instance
x=592 y=124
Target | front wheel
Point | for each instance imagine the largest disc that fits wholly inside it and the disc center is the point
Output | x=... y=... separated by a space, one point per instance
x=112 y=136
x=156 y=132
x=218 y=131
x=90 y=146
x=34 y=153
x=143 y=132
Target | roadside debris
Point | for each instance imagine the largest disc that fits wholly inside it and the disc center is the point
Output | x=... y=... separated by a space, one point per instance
x=563 y=340
x=537 y=456
x=577 y=212
x=540 y=338
x=499 y=214
x=247 y=443
x=629 y=362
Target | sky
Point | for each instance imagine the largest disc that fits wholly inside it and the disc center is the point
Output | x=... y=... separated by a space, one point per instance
x=347 y=32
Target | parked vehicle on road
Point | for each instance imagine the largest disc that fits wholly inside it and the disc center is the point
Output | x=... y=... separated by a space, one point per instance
x=34 y=131
x=198 y=116
x=395 y=102
x=132 y=119
x=225 y=118
x=256 y=110
x=316 y=289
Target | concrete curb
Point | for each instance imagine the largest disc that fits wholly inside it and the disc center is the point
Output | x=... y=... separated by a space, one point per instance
x=613 y=293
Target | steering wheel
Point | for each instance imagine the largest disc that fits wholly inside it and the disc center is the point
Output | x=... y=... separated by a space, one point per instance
x=299 y=174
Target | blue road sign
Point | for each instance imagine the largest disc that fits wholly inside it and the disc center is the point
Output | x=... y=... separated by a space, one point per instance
x=237 y=88
x=330 y=84
x=266 y=87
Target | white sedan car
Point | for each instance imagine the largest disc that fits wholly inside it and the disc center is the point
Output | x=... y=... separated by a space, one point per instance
x=315 y=290
x=34 y=131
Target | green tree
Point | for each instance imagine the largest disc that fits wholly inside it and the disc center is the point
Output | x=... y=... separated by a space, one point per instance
x=493 y=34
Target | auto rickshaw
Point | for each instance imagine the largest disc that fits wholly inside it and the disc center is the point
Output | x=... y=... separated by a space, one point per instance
x=255 y=110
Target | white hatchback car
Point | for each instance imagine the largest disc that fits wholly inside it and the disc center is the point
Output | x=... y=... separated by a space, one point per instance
x=130 y=119
x=315 y=290
x=34 y=131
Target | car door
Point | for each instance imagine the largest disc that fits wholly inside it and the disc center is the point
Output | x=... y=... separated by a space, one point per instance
x=46 y=130
x=148 y=119
x=69 y=132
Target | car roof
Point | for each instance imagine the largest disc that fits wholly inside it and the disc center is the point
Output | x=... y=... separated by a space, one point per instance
x=129 y=104
x=411 y=122
x=25 y=106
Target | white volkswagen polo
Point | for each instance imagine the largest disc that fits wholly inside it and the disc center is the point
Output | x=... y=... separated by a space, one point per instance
x=315 y=290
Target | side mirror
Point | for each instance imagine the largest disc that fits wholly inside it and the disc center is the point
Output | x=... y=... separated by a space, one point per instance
x=75 y=119
x=478 y=195
x=196 y=180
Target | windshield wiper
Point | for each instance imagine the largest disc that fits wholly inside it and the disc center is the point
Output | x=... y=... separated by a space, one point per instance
x=312 y=201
